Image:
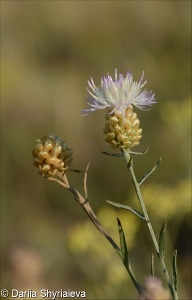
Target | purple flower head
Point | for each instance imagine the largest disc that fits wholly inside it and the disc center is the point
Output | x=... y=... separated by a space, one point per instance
x=118 y=94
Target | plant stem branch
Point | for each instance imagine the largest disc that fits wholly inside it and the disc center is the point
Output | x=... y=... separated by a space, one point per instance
x=83 y=201
x=129 y=163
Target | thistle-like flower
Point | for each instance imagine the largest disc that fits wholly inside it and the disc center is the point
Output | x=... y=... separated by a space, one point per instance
x=119 y=96
x=51 y=156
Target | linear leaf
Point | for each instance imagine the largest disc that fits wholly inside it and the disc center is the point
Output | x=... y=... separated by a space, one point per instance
x=150 y=172
x=152 y=265
x=123 y=245
x=127 y=208
x=174 y=271
x=112 y=154
x=162 y=241
x=125 y=257
x=139 y=153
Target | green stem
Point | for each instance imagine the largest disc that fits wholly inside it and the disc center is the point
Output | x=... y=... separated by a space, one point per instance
x=87 y=208
x=129 y=162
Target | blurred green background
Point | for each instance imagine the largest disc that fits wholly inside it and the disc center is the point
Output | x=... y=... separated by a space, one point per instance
x=49 y=49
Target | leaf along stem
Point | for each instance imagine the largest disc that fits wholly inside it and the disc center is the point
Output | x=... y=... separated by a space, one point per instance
x=152 y=265
x=83 y=201
x=134 y=211
x=125 y=257
x=129 y=162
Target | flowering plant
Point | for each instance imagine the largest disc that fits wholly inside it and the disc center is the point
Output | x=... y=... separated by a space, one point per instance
x=122 y=129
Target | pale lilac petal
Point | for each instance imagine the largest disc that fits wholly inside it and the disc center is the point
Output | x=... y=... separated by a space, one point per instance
x=118 y=94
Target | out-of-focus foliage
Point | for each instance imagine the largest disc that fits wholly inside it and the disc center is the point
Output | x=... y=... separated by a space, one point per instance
x=163 y=203
x=177 y=116
x=48 y=51
x=87 y=250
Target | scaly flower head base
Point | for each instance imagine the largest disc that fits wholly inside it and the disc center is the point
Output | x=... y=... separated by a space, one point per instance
x=51 y=156
x=122 y=129
x=118 y=94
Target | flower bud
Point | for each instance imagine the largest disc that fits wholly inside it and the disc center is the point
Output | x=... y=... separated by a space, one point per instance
x=122 y=129
x=51 y=156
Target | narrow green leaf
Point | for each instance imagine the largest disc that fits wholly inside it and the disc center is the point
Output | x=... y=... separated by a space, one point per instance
x=112 y=154
x=76 y=171
x=150 y=172
x=127 y=208
x=162 y=241
x=152 y=265
x=125 y=257
x=174 y=271
x=139 y=153
x=123 y=246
